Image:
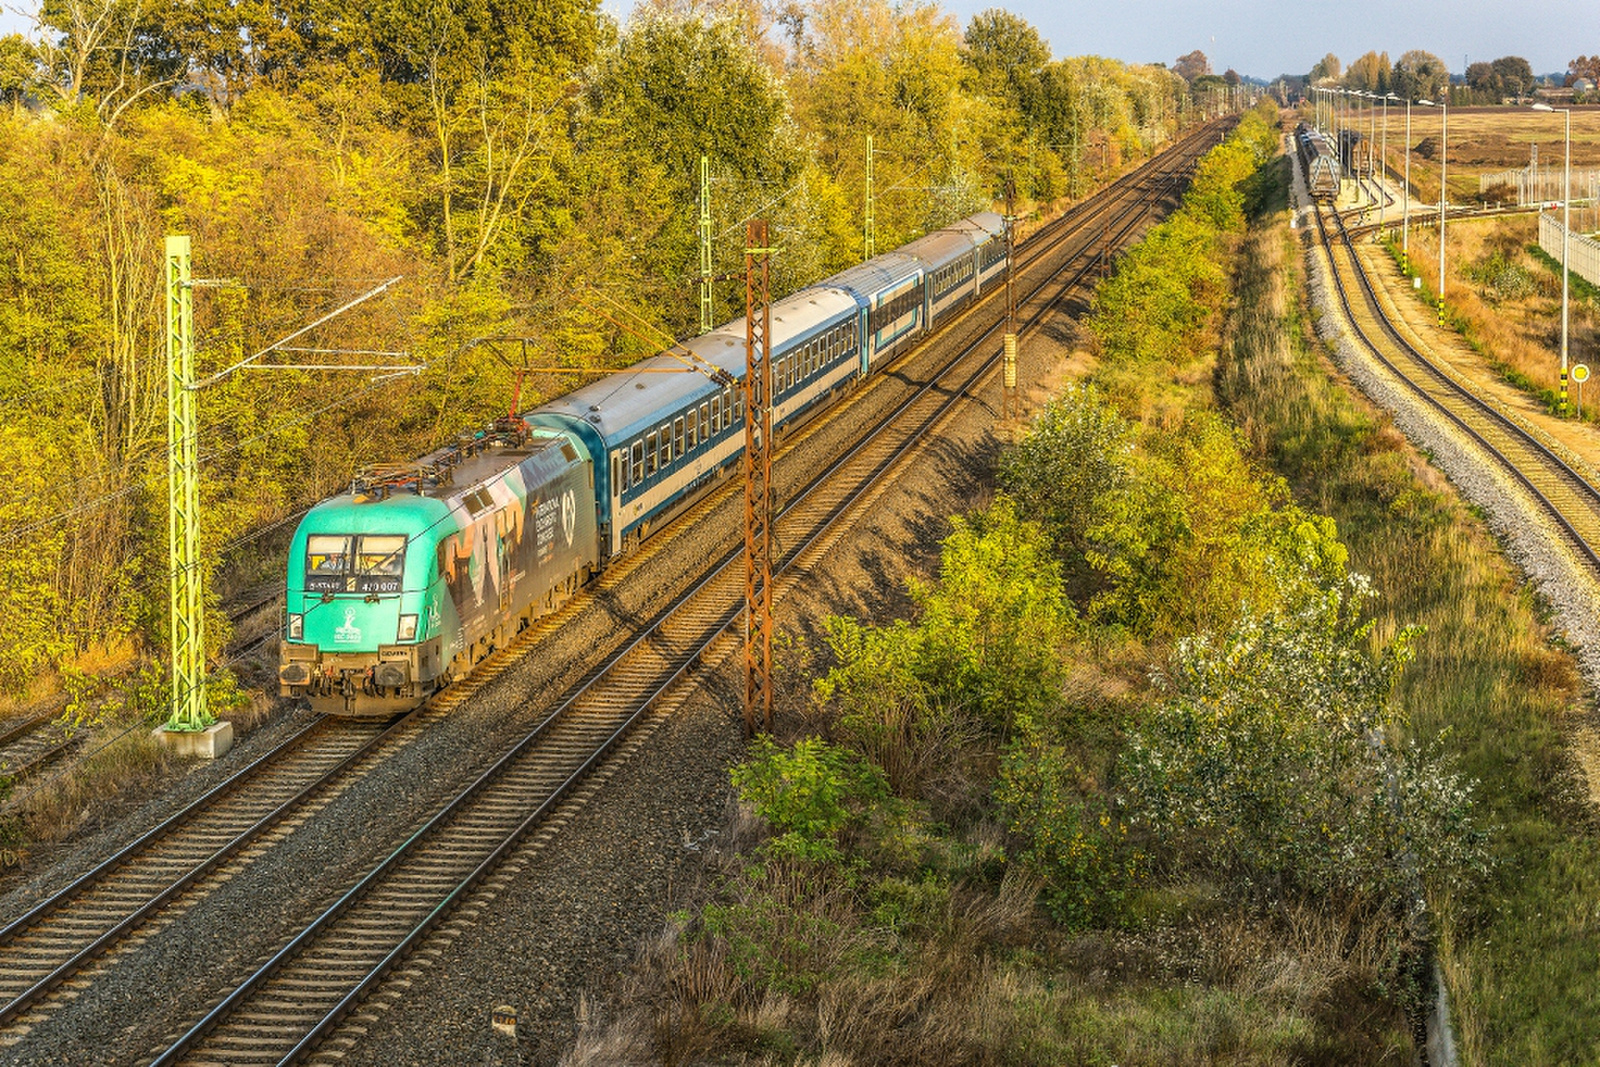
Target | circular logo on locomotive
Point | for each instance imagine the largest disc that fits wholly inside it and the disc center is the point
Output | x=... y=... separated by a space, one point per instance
x=569 y=515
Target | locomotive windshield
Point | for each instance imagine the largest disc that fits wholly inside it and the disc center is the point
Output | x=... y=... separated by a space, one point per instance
x=340 y=563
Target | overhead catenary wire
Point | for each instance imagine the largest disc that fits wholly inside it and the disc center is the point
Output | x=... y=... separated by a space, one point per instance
x=13 y=533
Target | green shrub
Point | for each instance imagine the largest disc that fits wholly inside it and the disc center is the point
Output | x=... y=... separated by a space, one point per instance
x=1066 y=833
x=810 y=794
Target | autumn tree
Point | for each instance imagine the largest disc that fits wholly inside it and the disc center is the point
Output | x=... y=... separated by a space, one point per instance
x=1584 y=67
x=1370 y=73
x=1006 y=56
x=20 y=72
x=1420 y=75
x=1191 y=65
x=1326 y=68
x=107 y=53
x=895 y=72
x=671 y=89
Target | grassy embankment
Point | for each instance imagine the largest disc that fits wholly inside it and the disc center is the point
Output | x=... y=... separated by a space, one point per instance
x=959 y=866
x=953 y=868
x=1519 y=956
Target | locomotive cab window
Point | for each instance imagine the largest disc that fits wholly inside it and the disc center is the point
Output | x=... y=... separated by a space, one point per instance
x=383 y=555
x=328 y=559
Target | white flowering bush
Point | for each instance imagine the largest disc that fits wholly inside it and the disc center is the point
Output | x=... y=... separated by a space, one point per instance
x=1280 y=763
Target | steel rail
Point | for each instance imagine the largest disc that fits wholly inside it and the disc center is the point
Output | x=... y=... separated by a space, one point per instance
x=1546 y=456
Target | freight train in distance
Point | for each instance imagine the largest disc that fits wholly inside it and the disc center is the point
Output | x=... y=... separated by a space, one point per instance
x=1319 y=161
x=423 y=569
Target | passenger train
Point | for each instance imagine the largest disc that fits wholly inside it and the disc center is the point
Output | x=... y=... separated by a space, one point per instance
x=423 y=569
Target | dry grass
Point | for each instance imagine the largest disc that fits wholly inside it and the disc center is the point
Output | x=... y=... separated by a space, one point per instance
x=59 y=806
x=1520 y=336
x=995 y=985
x=1485 y=140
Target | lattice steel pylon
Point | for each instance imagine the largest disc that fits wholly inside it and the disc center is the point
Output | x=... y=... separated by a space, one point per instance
x=757 y=391
x=705 y=245
x=869 y=222
x=188 y=711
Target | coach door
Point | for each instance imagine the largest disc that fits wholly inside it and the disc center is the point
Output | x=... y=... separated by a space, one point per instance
x=619 y=475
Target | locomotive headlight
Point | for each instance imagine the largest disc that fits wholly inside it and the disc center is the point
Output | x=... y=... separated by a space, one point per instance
x=408 y=628
x=297 y=627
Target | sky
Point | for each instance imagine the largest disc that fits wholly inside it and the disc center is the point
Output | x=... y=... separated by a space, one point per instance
x=1267 y=39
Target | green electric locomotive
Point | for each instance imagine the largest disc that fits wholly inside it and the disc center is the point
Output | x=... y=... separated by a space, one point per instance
x=424 y=569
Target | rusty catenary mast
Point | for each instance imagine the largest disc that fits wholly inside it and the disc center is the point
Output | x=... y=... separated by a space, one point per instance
x=757 y=389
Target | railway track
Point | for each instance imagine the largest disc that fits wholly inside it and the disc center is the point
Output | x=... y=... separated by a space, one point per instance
x=63 y=936
x=28 y=745
x=297 y=997
x=1559 y=489
x=35 y=741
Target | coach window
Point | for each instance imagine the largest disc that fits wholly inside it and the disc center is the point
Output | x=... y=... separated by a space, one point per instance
x=716 y=414
x=638 y=462
x=665 y=452
x=692 y=431
x=705 y=422
x=677 y=437
x=650 y=454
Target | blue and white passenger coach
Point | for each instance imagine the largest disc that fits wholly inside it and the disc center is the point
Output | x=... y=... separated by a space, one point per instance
x=667 y=430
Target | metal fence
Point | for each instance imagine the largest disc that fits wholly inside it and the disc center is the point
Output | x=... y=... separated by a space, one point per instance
x=1542 y=184
x=1583 y=253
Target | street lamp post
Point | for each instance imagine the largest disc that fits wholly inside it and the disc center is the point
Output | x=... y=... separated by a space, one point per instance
x=1405 y=211
x=1566 y=226
x=1444 y=159
x=1383 y=160
x=1372 y=127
